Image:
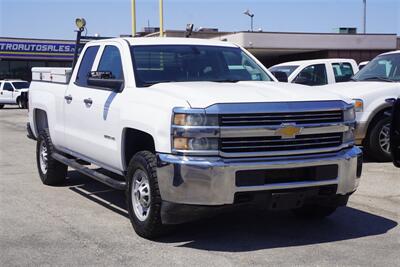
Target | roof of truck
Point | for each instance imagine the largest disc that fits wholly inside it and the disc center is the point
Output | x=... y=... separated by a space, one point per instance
x=392 y=52
x=315 y=61
x=172 y=41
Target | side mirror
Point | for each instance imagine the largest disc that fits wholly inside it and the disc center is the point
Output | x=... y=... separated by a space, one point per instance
x=280 y=76
x=106 y=80
x=395 y=133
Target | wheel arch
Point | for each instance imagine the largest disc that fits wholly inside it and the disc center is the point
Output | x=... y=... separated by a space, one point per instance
x=133 y=141
x=40 y=120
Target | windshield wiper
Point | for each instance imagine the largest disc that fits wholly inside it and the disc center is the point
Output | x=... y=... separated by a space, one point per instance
x=376 y=78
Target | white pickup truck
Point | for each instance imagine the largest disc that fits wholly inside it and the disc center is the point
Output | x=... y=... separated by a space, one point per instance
x=10 y=92
x=370 y=88
x=190 y=127
x=316 y=72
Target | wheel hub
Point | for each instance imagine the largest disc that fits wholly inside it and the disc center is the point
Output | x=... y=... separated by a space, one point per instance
x=43 y=157
x=384 y=138
x=141 y=198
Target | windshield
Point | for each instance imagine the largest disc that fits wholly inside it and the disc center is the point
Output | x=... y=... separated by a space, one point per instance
x=20 y=85
x=286 y=69
x=381 y=68
x=186 y=63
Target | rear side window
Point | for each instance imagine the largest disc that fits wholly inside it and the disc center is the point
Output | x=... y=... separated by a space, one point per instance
x=343 y=72
x=86 y=65
x=111 y=61
x=312 y=75
x=0 y=84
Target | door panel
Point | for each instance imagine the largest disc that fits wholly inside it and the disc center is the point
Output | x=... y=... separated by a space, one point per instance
x=7 y=93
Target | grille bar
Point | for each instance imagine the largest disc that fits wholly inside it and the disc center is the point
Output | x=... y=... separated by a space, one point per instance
x=274 y=143
x=263 y=119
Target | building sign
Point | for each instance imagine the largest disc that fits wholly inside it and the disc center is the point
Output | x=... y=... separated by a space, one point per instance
x=36 y=50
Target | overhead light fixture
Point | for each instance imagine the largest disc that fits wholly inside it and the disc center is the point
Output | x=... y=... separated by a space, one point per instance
x=80 y=23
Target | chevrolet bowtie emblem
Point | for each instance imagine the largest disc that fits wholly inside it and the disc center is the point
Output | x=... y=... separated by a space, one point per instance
x=288 y=131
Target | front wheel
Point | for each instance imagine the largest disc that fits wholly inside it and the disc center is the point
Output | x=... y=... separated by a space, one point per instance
x=1 y=106
x=143 y=196
x=378 y=141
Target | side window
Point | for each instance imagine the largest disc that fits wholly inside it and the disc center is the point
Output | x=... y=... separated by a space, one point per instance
x=111 y=61
x=343 y=71
x=86 y=65
x=0 y=84
x=8 y=87
x=312 y=75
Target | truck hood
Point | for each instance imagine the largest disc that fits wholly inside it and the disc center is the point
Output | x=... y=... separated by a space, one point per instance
x=359 y=89
x=204 y=94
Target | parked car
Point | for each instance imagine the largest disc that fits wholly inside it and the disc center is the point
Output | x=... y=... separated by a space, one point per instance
x=369 y=89
x=189 y=127
x=395 y=131
x=316 y=72
x=10 y=92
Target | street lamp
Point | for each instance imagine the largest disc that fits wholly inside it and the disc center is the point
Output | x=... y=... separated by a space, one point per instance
x=80 y=25
x=251 y=15
x=365 y=16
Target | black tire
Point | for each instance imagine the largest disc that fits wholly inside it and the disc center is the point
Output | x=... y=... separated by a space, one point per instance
x=19 y=102
x=151 y=227
x=314 y=211
x=373 y=149
x=1 y=106
x=56 y=171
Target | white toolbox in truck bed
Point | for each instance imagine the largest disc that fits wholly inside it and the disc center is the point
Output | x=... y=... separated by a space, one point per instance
x=56 y=75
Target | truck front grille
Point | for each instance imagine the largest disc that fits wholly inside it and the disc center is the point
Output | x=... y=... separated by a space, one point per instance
x=276 y=143
x=267 y=119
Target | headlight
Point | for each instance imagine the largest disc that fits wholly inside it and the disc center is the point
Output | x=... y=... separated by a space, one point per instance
x=195 y=144
x=358 y=105
x=194 y=131
x=349 y=115
x=195 y=119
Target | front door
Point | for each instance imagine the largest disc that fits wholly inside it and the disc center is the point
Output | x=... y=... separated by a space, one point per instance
x=395 y=134
x=6 y=95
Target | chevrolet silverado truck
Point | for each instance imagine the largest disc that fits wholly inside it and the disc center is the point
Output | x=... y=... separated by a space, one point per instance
x=190 y=127
x=369 y=89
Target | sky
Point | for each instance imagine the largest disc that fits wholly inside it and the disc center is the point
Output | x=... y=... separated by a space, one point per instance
x=55 y=19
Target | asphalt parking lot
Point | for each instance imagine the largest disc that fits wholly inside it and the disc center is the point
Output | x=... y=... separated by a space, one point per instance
x=86 y=223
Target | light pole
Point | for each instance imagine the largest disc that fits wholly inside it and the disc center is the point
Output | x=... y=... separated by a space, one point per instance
x=161 y=18
x=251 y=15
x=133 y=10
x=365 y=16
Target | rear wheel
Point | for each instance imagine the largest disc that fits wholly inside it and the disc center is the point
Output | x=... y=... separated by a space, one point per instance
x=51 y=172
x=143 y=196
x=378 y=141
x=1 y=106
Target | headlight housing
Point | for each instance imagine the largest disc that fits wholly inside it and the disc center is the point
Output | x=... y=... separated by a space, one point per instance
x=194 y=132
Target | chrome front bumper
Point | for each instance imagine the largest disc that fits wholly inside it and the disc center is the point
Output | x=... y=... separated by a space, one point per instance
x=211 y=180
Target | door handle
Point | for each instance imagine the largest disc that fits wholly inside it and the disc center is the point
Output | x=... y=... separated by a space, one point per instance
x=68 y=98
x=88 y=101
